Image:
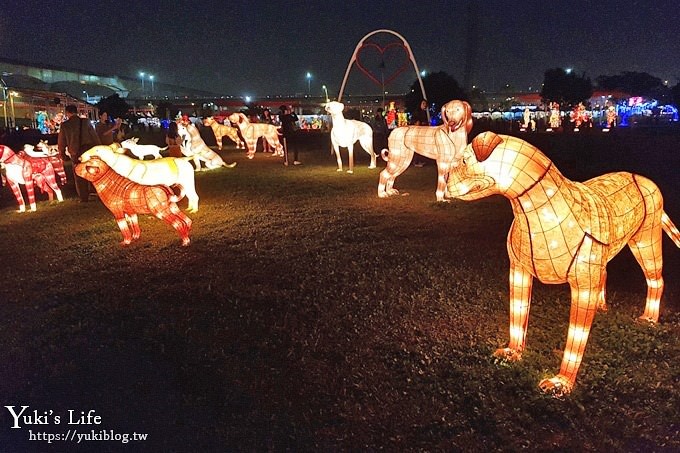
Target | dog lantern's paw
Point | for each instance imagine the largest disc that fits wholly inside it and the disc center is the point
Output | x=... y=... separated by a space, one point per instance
x=556 y=387
x=505 y=355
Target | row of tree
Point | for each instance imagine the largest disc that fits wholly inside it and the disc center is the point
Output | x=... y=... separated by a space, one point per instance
x=559 y=85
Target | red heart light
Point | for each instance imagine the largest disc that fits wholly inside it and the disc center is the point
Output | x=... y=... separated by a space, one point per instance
x=394 y=50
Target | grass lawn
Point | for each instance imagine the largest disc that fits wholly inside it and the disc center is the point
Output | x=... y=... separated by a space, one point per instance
x=309 y=315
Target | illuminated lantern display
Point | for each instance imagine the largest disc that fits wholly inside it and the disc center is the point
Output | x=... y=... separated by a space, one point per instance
x=251 y=132
x=611 y=118
x=554 y=120
x=223 y=130
x=580 y=117
x=167 y=171
x=52 y=154
x=565 y=232
x=391 y=117
x=345 y=133
x=193 y=146
x=444 y=143
x=125 y=199
x=30 y=172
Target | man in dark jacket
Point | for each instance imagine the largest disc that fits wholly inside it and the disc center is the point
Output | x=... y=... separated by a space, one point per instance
x=78 y=135
x=288 y=124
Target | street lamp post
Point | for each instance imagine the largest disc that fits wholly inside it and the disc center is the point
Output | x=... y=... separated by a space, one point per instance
x=309 y=83
x=141 y=75
x=151 y=78
x=325 y=90
x=4 y=101
x=87 y=96
x=11 y=103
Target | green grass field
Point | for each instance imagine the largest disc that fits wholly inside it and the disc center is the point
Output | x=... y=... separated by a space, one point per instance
x=309 y=315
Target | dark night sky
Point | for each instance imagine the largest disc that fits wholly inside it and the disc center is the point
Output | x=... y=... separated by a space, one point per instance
x=266 y=47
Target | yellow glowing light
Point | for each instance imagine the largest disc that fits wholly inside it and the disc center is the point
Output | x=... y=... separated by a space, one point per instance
x=581 y=227
x=223 y=130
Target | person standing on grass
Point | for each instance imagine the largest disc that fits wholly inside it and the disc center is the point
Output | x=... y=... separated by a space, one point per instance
x=105 y=130
x=288 y=125
x=420 y=119
x=78 y=135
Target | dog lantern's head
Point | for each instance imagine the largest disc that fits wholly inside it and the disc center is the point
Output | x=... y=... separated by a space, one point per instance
x=456 y=114
x=481 y=172
x=92 y=169
x=334 y=107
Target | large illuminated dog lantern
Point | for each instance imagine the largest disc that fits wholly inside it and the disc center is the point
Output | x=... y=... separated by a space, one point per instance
x=345 y=133
x=223 y=130
x=125 y=199
x=565 y=232
x=443 y=143
x=251 y=132
x=166 y=171
x=30 y=172
x=193 y=146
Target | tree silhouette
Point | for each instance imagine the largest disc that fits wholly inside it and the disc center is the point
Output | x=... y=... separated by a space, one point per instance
x=440 y=88
x=566 y=88
x=114 y=105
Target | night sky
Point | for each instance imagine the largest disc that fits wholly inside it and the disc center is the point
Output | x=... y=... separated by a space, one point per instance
x=266 y=47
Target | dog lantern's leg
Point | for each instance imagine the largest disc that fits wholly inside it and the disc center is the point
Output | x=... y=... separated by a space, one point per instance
x=646 y=246
x=586 y=283
x=521 y=283
x=350 y=151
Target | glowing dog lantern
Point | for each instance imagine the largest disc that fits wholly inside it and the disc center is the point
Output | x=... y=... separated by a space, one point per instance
x=345 y=133
x=166 y=171
x=565 y=232
x=444 y=143
x=30 y=172
x=125 y=199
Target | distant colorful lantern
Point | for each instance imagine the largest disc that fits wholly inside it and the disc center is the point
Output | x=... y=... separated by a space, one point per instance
x=125 y=199
x=565 y=232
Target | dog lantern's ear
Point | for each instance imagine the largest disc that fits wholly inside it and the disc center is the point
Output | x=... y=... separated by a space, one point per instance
x=468 y=115
x=484 y=144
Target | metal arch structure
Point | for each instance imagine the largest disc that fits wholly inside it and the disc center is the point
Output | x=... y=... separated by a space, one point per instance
x=361 y=44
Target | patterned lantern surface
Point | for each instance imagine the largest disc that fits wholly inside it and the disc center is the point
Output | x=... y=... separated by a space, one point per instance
x=251 y=132
x=125 y=199
x=444 y=143
x=193 y=146
x=167 y=171
x=565 y=232
x=346 y=133
x=23 y=169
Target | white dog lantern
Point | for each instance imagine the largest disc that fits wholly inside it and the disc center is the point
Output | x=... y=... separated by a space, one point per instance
x=443 y=143
x=345 y=133
x=193 y=146
x=565 y=232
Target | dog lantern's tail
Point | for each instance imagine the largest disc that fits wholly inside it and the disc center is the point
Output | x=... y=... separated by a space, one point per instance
x=385 y=154
x=670 y=229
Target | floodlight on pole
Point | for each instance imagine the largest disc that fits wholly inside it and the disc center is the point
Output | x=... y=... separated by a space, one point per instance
x=325 y=90
x=151 y=78
x=309 y=83
x=141 y=76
